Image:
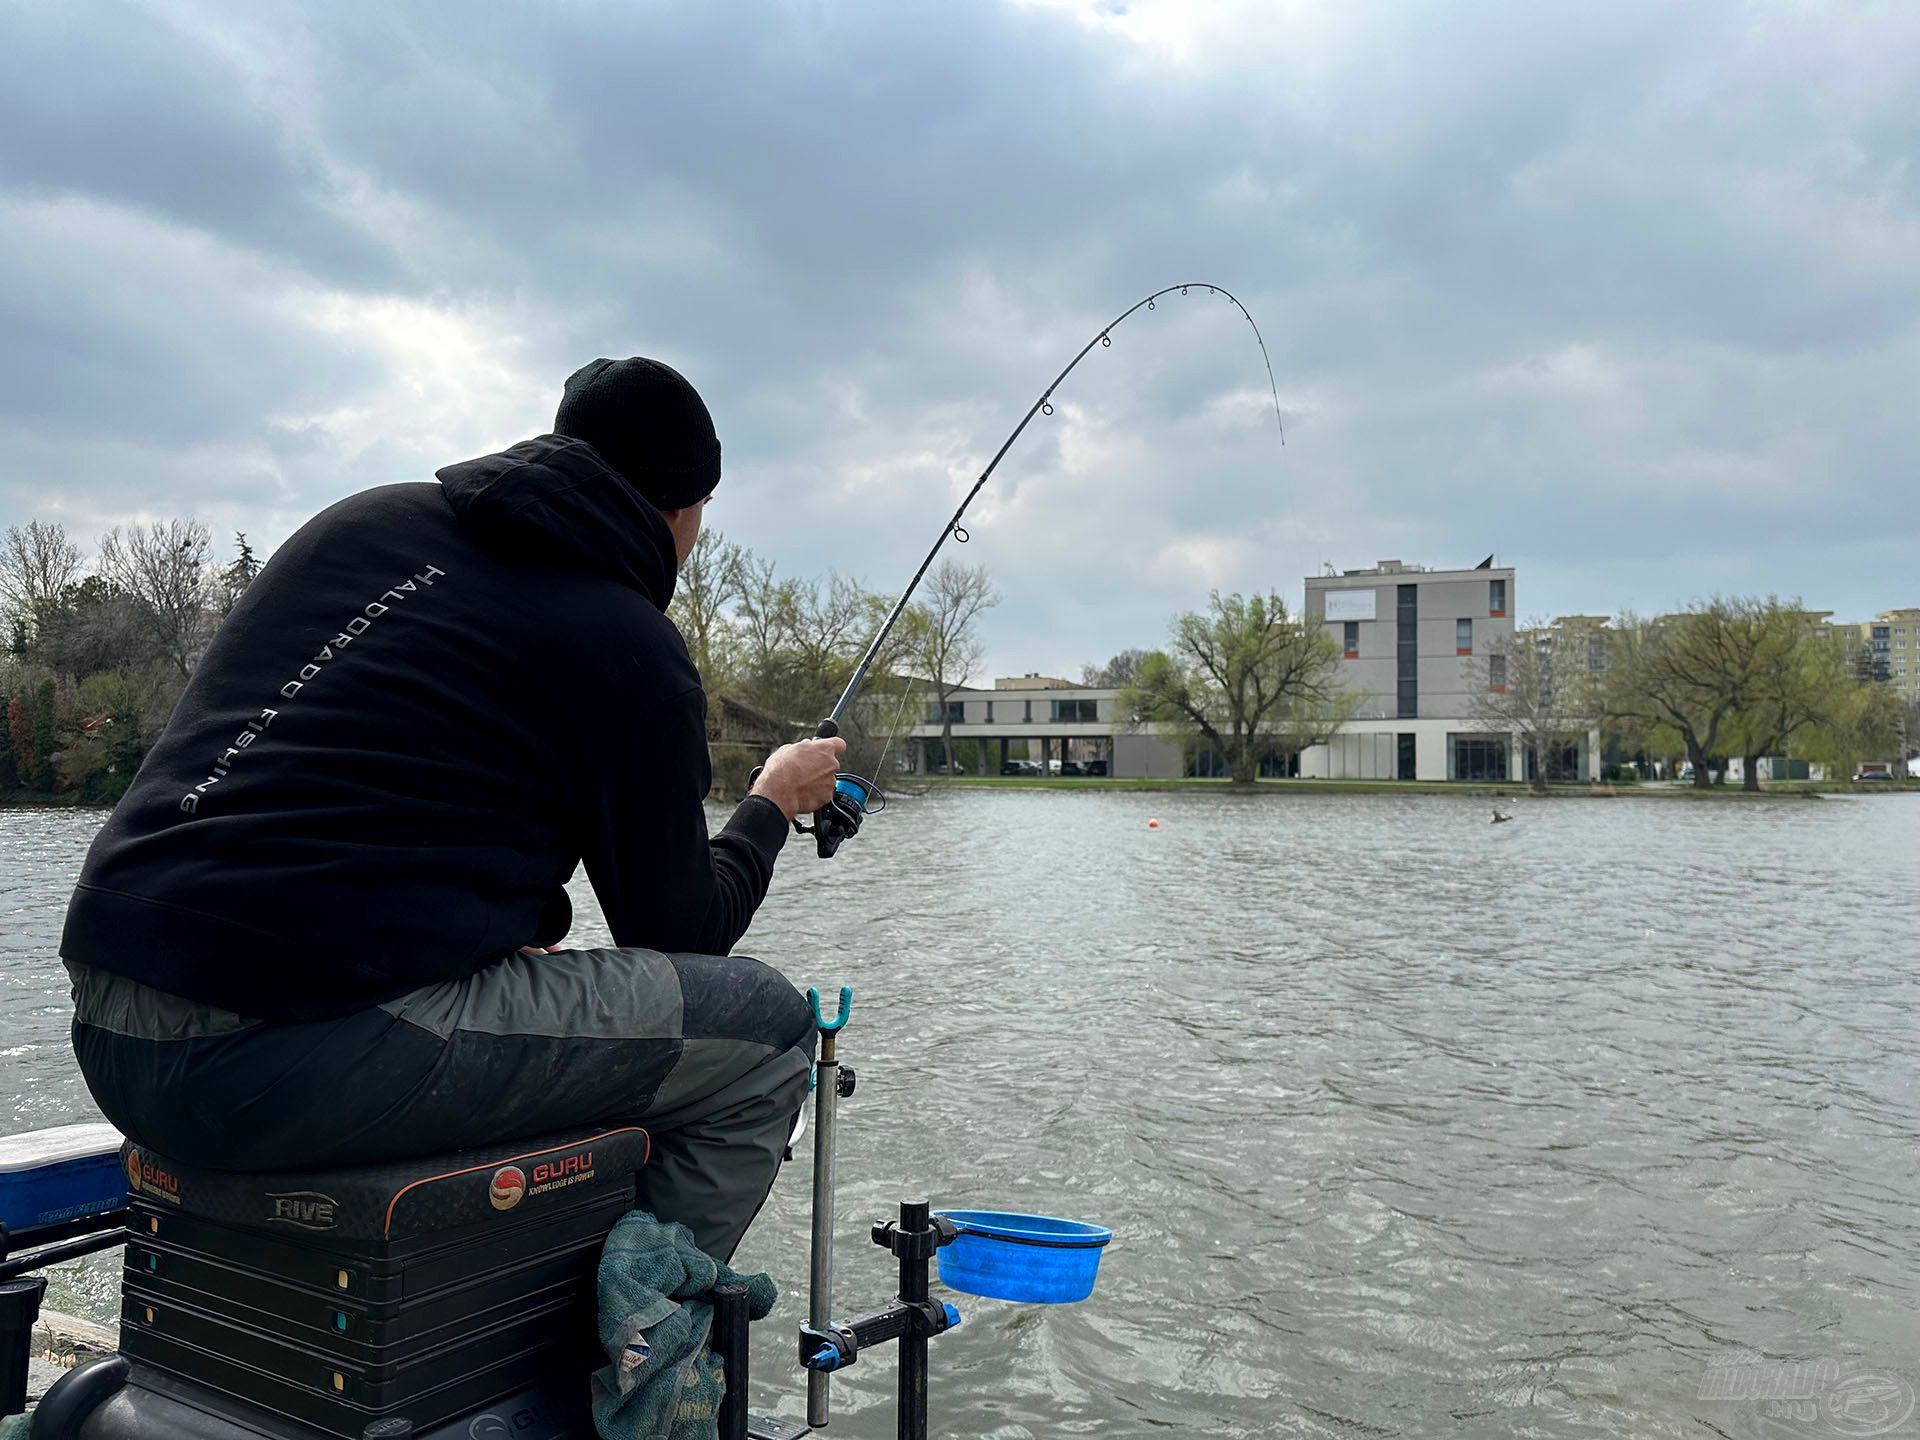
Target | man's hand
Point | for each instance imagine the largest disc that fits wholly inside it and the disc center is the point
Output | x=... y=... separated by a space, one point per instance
x=799 y=778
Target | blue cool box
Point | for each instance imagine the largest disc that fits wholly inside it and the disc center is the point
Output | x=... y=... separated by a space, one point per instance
x=1035 y=1258
x=67 y=1173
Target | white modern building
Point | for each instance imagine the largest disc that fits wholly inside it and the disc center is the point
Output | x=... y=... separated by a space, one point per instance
x=1414 y=644
x=1041 y=724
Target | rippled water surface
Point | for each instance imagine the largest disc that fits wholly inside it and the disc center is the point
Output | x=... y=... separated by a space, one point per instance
x=1407 y=1124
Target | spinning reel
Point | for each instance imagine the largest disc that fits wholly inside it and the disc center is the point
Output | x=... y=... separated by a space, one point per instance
x=854 y=798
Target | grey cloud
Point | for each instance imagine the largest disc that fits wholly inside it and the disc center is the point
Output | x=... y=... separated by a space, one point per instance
x=1627 y=290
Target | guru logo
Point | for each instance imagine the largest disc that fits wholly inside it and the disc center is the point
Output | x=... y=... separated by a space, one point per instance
x=146 y=1178
x=563 y=1169
x=509 y=1184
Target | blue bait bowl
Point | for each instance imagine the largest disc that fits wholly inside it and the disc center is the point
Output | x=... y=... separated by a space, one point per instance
x=1034 y=1258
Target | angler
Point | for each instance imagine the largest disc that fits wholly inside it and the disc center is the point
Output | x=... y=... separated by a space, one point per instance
x=385 y=985
x=386 y=979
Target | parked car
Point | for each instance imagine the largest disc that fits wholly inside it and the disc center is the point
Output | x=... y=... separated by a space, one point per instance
x=1072 y=767
x=1020 y=767
x=1874 y=772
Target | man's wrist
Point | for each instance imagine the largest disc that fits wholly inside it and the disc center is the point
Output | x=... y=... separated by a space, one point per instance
x=759 y=819
x=770 y=794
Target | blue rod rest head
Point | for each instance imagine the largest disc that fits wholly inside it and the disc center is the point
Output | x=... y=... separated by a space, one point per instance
x=839 y=1021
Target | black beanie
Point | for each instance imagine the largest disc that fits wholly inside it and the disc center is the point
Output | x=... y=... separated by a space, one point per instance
x=648 y=423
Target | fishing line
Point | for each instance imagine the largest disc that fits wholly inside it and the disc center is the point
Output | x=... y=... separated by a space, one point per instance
x=1044 y=405
x=839 y=820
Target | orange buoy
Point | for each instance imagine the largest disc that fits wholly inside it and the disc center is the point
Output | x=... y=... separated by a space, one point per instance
x=1153 y=824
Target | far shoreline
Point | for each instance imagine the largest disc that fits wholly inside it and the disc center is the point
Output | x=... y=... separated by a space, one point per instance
x=1787 y=790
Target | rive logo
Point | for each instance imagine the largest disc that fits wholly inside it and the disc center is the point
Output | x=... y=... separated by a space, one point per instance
x=509 y=1185
x=304 y=1210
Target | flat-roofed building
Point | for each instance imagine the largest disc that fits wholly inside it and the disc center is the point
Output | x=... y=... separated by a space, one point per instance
x=1414 y=645
x=1043 y=725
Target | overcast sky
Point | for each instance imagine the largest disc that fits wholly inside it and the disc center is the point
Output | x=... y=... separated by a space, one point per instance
x=1628 y=293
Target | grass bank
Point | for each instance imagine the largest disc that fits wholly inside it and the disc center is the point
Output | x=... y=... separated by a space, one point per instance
x=1787 y=790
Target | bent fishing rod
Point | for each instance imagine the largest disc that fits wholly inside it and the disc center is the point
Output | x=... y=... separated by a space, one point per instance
x=853 y=795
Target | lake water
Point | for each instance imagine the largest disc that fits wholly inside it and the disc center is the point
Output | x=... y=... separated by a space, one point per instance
x=1407 y=1124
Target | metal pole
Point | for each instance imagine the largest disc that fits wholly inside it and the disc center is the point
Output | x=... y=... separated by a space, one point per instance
x=730 y=1344
x=826 y=1085
x=912 y=1407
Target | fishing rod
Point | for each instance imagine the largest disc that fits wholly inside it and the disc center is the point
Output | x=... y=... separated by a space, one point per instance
x=839 y=820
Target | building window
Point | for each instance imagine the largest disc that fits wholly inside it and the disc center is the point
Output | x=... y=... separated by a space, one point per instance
x=1076 y=712
x=1497 y=674
x=1350 y=639
x=1406 y=769
x=1407 y=651
x=1463 y=637
x=1496 y=597
x=1028 y=717
x=957 y=712
x=989 y=712
x=1475 y=758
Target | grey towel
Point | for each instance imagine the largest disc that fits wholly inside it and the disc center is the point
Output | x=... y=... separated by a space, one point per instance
x=656 y=1314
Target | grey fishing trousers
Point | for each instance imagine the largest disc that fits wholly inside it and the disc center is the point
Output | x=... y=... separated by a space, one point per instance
x=711 y=1053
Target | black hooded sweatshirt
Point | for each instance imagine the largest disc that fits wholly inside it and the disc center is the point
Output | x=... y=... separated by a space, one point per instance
x=431 y=705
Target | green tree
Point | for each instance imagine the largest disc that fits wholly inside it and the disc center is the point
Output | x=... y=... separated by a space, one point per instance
x=1794 y=683
x=1243 y=677
x=45 y=722
x=9 y=771
x=103 y=742
x=239 y=573
x=1687 y=673
x=1863 y=724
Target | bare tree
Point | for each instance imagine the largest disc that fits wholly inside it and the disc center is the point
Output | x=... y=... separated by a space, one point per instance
x=1122 y=670
x=94 y=629
x=947 y=644
x=799 y=640
x=708 y=586
x=38 y=565
x=165 y=567
x=1515 y=691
